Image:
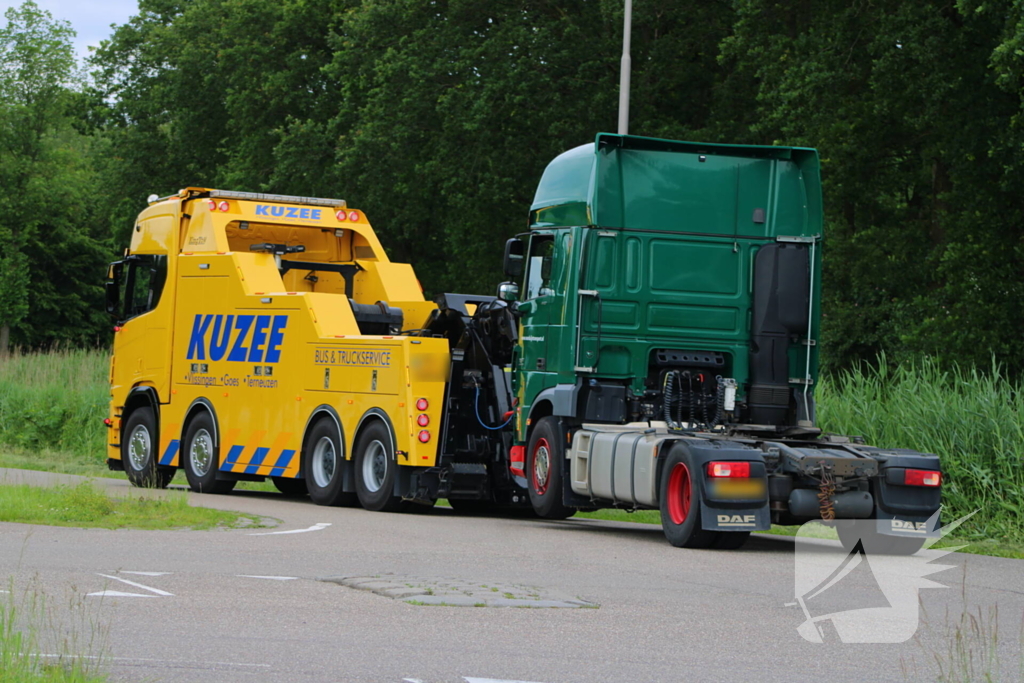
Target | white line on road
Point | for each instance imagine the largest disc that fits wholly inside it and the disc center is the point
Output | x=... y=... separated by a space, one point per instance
x=490 y=680
x=144 y=659
x=139 y=585
x=316 y=527
x=119 y=594
x=147 y=573
x=271 y=578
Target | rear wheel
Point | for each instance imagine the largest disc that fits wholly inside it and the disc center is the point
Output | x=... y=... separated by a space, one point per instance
x=201 y=457
x=324 y=462
x=545 y=458
x=680 y=503
x=139 y=451
x=376 y=469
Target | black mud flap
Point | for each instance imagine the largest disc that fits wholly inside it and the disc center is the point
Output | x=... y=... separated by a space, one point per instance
x=719 y=513
x=732 y=519
x=908 y=511
x=908 y=526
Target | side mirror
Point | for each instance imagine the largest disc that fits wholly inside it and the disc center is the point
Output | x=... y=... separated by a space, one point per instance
x=513 y=265
x=112 y=288
x=508 y=291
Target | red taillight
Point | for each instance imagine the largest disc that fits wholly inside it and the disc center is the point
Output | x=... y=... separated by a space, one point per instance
x=107 y=421
x=422 y=404
x=422 y=420
x=341 y=215
x=223 y=206
x=424 y=436
x=212 y=204
x=353 y=216
x=729 y=469
x=117 y=328
x=922 y=478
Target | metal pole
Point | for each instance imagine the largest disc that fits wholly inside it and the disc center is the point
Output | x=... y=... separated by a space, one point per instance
x=624 y=71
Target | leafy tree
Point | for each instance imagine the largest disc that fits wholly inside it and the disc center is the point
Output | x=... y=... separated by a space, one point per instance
x=49 y=258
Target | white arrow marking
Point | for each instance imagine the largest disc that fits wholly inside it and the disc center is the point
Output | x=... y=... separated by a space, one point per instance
x=271 y=578
x=119 y=594
x=139 y=585
x=316 y=527
x=147 y=573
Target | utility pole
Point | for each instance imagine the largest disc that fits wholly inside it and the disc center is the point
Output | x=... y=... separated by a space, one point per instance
x=624 y=71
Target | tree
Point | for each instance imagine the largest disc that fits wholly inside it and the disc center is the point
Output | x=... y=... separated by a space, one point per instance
x=49 y=254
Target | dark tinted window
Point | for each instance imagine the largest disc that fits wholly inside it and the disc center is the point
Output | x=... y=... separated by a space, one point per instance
x=144 y=284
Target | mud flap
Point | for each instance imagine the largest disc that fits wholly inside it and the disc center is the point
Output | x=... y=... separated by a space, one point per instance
x=735 y=519
x=908 y=526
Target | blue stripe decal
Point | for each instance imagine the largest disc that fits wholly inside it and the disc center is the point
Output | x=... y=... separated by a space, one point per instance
x=257 y=459
x=172 y=450
x=282 y=462
x=233 y=455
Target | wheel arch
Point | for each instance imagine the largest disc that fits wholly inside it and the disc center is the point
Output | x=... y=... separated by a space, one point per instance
x=320 y=412
x=368 y=418
x=197 y=406
x=141 y=396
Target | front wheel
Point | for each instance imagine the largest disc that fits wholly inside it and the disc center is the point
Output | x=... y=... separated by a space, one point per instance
x=139 y=452
x=545 y=459
x=680 y=503
x=376 y=469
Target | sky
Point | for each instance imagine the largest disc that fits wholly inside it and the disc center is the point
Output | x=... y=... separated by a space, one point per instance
x=91 y=19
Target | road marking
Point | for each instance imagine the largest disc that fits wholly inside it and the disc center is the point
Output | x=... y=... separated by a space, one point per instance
x=138 y=585
x=147 y=573
x=316 y=527
x=491 y=680
x=270 y=578
x=119 y=594
x=412 y=680
x=145 y=659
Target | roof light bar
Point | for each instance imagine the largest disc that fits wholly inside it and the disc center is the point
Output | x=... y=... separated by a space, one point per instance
x=279 y=198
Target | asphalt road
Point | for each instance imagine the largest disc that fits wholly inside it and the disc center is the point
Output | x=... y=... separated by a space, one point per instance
x=248 y=605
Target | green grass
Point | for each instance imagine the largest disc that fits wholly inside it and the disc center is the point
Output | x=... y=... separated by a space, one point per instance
x=973 y=420
x=52 y=406
x=55 y=401
x=31 y=626
x=84 y=505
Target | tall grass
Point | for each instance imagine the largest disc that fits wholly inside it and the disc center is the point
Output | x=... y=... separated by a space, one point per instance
x=55 y=401
x=45 y=642
x=973 y=420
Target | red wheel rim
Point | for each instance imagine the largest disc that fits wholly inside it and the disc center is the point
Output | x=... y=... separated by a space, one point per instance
x=678 y=494
x=540 y=470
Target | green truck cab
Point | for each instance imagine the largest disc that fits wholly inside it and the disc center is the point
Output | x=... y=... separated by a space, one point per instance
x=651 y=257
x=668 y=304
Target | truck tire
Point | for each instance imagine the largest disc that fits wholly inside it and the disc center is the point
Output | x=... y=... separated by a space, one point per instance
x=376 y=469
x=323 y=463
x=139 y=452
x=293 y=488
x=679 y=500
x=873 y=543
x=200 y=457
x=544 y=461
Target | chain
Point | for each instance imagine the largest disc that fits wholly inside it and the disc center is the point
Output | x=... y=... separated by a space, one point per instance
x=826 y=491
